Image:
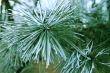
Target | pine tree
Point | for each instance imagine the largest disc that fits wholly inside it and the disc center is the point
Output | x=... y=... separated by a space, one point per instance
x=66 y=36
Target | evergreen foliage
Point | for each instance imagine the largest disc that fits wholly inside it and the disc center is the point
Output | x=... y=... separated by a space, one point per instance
x=69 y=35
